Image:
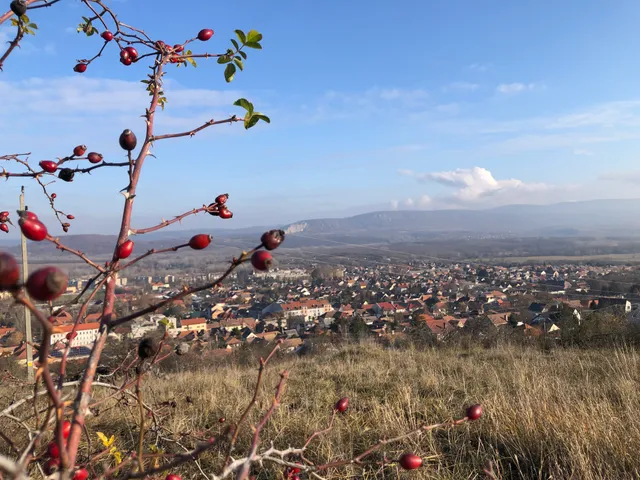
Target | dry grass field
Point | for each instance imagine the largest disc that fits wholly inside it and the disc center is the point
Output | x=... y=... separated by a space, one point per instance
x=566 y=414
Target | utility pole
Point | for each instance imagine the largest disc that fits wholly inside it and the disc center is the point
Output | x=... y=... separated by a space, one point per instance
x=27 y=313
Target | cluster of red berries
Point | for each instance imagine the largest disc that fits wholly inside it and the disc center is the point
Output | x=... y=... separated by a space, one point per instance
x=262 y=259
x=219 y=207
x=44 y=284
x=129 y=55
x=53 y=452
x=4 y=219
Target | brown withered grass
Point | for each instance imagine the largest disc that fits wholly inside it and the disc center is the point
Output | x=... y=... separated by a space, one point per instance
x=565 y=414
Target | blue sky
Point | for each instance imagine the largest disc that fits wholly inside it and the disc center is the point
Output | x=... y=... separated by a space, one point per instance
x=375 y=105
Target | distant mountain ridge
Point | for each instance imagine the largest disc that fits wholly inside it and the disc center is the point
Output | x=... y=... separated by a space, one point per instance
x=570 y=219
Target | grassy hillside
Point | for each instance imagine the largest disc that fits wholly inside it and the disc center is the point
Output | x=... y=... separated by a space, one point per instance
x=563 y=414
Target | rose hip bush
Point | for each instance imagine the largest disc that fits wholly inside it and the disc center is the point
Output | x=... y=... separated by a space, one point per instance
x=54 y=435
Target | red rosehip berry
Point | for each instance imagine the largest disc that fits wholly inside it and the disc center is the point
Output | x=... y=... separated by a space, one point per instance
x=107 y=36
x=272 y=239
x=94 y=157
x=291 y=471
x=173 y=476
x=4 y=227
x=222 y=420
x=70 y=217
x=261 y=260
x=54 y=196
x=66 y=428
x=9 y=270
x=342 y=405
x=124 y=250
x=79 y=150
x=474 y=412
x=71 y=335
x=80 y=68
x=27 y=214
x=81 y=474
x=178 y=48
x=200 y=241
x=222 y=199
x=205 y=34
x=128 y=140
x=48 y=166
x=225 y=213
x=34 y=230
x=47 y=284
x=126 y=61
x=409 y=461
x=4 y=214
x=132 y=53
x=53 y=451
x=51 y=466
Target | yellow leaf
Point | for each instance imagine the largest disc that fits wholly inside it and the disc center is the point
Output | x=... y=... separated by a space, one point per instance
x=118 y=458
x=111 y=440
x=103 y=438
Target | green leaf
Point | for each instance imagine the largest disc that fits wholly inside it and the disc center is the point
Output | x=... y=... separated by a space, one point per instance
x=241 y=36
x=255 y=45
x=14 y=22
x=33 y=25
x=250 y=121
x=86 y=19
x=24 y=18
x=235 y=44
x=224 y=59
x=229 y=72
x=242 y=54
x=253 y=36
x=262 y=116
x=244 y=103
x=238 y=62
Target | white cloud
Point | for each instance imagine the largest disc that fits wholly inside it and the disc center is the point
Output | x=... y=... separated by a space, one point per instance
x=515 y=88
x=479 y=67
x=584 y=153
x=448 y=108
x=461 y=87
x=476 y=184
x=628 y=176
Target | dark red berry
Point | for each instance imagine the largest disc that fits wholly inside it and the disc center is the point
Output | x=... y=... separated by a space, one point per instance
x=47 y=284
x=342 y=405
x=51 y=466
x=474 y=412
x=4 y=227
x=261 y=260
x=79 y=150
x=81 y=474
x=53 y=195
x=9 y=270
x=4 y=214
x=66 y=428
x=225 y=213
x=222 y=199
x=72 y=335
x=172 y=476
x=107 y=36
x=48 y=166
x=132 y=53
x=19 y=7
x=34 y=230
x=272 y=239
x=205 y=34
x=200 y=241
x=126 y=61
x=178 y=48
x=94 y=157
x=128 y=140
x=222 y=420
x=66 y=174
x=409 y=461
x=124 y=250
x=70 y=217
x=53 y=451
x=80 y=68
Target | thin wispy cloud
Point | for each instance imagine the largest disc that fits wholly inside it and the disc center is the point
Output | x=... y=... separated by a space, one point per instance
x=516 y=88
x=479 y=67
x=461 y=87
